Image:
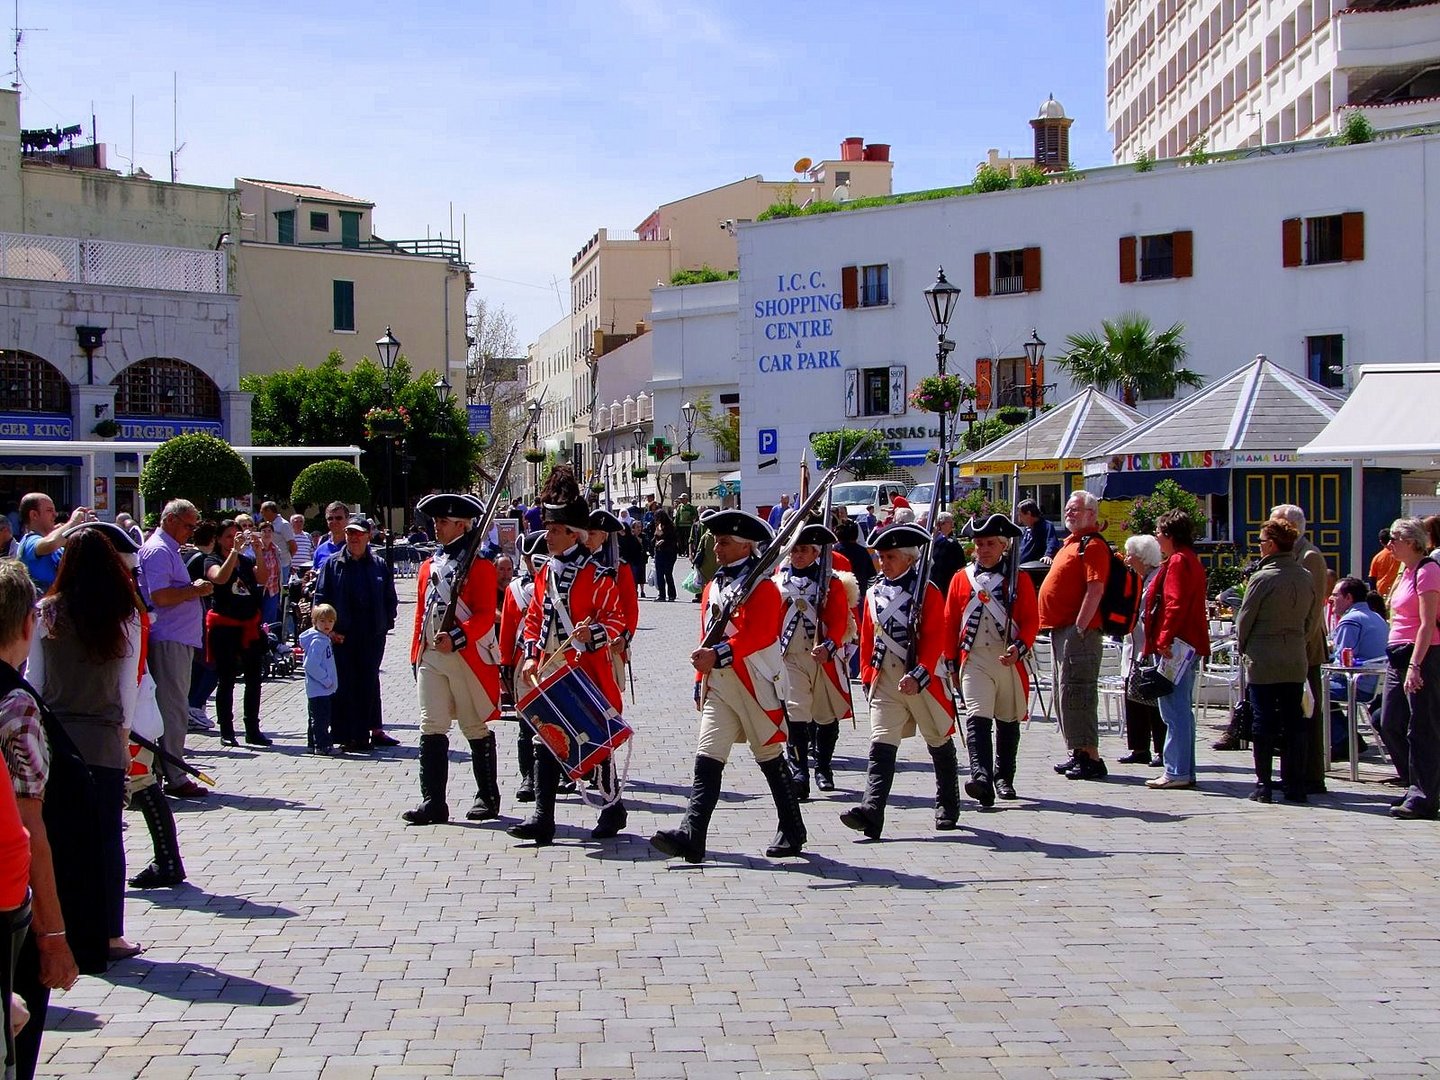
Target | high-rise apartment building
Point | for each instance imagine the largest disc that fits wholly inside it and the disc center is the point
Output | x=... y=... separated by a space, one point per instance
x=1240 y=73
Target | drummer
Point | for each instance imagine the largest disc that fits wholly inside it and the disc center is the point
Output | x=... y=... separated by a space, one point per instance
x=575 y=609
x=815 y=624
x=512 y=616
x=605 y=550
x=740 y=691
x=991 y=633
x=457 y=675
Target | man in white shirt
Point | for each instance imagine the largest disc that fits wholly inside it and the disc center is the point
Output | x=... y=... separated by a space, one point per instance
x=284 y=538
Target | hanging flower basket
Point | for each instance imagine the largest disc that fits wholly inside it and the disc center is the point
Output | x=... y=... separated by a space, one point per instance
x=640 y=474
x=941 y=393
x=597 y=488
x=535 y=457
x=688 y=456
x=385 y=421
x=106 y=429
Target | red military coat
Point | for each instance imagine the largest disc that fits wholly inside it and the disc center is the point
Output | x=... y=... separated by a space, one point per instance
x=512 y=618
x=595 y=595
x=754 y=627
x=1024 y=614
x=475 y=621
x=834 y=626
x=931 y=652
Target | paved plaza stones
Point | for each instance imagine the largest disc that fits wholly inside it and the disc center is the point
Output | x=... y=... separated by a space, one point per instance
x=1090 y=930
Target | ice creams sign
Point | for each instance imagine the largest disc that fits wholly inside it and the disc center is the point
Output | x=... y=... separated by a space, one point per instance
x=794 y=321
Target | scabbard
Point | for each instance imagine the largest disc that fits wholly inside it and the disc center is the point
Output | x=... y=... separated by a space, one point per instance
x=166 y=756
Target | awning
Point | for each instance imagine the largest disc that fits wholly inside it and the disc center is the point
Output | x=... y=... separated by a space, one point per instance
x=731 y=478
x=1127 y=485
x=1389 y=417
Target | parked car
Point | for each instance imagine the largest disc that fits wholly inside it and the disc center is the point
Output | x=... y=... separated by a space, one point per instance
x=855 y=495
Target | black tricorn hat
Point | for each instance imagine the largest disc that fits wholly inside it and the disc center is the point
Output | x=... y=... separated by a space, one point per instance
x=465 y=507
x=738 y=523
x=816 y=534
x=604 y=519
x=119 y=539
x=902 y=535
x=994 y=525
x=533 y=542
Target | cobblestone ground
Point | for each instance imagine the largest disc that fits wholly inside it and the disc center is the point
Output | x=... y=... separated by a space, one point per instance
x=1090 y=930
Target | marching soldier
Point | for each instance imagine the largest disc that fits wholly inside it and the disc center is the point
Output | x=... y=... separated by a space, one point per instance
x=814 y=627
x=457 y=675
x=991 y=632
x=512 y=617
x=903 y=701
x=604 y=526
x=740 y=691
x=576 y=607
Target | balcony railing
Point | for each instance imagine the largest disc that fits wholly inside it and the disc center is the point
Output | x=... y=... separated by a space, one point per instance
x=429 y=248
x=109 y=262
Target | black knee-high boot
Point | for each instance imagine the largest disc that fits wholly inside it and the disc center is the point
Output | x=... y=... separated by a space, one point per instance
x=826 y=736
x=688 y=841
x=614 y=817
x=167 y=869
x=434 y=776
x=869 y=816
x=790 y=833
x=798 y=756
x=981 y=750
x=947 y=784
x=485 y=763
x=525 y=758
x=540 y=825
x=1007 y=750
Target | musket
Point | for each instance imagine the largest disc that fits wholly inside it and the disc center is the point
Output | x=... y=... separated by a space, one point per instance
x=922 y=577
x=476 y=540
x=773 y=554
x=170 y=759
x=1012 y=576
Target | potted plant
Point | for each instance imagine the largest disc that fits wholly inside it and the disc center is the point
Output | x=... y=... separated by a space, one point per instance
x=106 y=429
x=688 y=456
x=640 y=472
x=386 y=420
x=597 y=488
x=534 y=456
x=941 y=393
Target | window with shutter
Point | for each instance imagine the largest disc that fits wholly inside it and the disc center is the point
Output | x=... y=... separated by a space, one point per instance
x=1031 y=271
x=1127 y=259
x=1009 y=272
x=1352 y=236
x=984 y=382
x=1184 y=248
x=344 y=297
x=982 y=273
x=1290 y=242
x=1322 y=239
x=850 y=286
x=1157 y=257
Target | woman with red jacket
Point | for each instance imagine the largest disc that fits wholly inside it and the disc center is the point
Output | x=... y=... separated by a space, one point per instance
x=1175 y=611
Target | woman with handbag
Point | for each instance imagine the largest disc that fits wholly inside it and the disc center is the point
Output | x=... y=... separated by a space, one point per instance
x=1175 y=614
x=667 y=550
x=1271 y=631
x=1410 y=718
x=1144 y=726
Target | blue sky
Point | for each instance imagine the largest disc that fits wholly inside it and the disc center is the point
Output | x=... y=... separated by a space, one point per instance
x=543 y=121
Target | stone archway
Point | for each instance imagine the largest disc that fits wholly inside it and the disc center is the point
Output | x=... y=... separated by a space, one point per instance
x=163 y=386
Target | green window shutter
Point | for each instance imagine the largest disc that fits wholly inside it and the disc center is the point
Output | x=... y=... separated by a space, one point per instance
x=344 y=305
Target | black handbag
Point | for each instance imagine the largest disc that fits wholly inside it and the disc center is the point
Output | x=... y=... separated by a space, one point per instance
x=1149 y=683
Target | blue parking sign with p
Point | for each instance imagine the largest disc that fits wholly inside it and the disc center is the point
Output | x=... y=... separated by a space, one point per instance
x=769 y=440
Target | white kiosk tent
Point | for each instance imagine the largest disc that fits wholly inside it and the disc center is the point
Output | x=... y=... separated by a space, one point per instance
x=1387 y=421
x=88 y=450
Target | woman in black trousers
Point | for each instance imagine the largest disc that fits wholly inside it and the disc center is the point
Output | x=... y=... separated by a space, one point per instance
x=1410 y=718
x=667 y=550
x=1144 y=727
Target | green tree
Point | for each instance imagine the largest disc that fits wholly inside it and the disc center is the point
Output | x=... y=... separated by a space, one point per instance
x=198 y=467
x=1129 y=356
x=989 y=178
x=872 y=460
x=1168 y=495
x=329 y=481
x=1355 y=129
x=723 y=430
x=326 y=406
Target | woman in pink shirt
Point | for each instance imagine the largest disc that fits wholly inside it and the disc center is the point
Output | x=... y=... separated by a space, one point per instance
x=1410 y=718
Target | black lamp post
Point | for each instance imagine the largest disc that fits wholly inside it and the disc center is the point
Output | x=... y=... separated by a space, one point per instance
x=689 y=412
x=442 y=393
x=639 y=436
x=1034 y=357
x=941 y=299
x=389 y=350
x=535 y=408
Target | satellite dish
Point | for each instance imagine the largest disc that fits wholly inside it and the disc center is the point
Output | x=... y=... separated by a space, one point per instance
x=803 y=165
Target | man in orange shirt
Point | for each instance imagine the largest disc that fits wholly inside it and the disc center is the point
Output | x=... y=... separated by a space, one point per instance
x=1384 y=567
x=1070 y=610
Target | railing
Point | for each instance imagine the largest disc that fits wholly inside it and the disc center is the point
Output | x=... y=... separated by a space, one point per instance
x=429 y=248
x=109 y=262
x=1005 y=286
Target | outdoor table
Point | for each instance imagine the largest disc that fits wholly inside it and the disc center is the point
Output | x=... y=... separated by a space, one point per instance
x=1352 y=701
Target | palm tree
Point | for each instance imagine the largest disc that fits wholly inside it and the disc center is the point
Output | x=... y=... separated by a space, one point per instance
x=1127 y=355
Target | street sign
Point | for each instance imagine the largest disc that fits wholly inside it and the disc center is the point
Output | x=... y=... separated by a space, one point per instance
x=769 y=440
x=969 y=416
x=479 y=416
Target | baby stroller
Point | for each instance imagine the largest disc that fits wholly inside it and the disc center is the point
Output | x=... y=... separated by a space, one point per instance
x=279 y=662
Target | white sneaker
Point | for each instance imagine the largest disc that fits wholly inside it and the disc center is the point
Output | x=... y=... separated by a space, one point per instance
x=201 y=721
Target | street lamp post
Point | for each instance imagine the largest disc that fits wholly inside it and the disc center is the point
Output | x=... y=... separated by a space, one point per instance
x=442 y=392
x=1034 y=357
x=689 y=412
x=389 y=350
x=639 y=436
x=941 y=299
x=534 y=409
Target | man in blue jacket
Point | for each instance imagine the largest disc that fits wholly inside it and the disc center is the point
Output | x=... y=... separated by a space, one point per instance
x=1362 y=631
x=1039 y=539
x=361 y=589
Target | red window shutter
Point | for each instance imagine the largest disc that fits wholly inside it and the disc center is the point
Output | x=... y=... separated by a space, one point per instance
x=982 y=273
x=850 y=286
x=1182 y=244
x=1127 y=260
x=1032 y=269
x=1352 y=236
x=984 y=382
x=1290 y=253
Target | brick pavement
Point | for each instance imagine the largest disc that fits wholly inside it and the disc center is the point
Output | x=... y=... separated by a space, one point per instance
x=1091 y=930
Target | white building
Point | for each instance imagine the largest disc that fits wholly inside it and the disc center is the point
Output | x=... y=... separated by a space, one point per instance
x=1241 y=73
x=1322 y=259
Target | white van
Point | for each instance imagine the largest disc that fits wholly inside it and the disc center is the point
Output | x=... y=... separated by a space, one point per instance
x=855 y=495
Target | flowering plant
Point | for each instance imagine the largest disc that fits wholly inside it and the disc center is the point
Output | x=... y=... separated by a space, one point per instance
x=384 y=420
x=941 y=393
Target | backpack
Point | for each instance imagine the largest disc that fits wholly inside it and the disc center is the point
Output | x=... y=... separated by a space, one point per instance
x=1120 y=600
